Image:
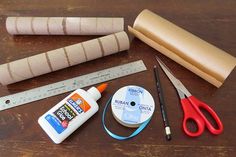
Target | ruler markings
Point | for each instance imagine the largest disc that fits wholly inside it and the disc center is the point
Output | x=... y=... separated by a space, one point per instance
x=64 y=86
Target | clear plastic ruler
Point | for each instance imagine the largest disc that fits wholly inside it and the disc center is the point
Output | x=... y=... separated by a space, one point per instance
x=57 y=88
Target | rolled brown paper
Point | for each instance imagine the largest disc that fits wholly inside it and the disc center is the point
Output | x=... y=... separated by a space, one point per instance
x=202 y=58
x=63 y=57
x=64 y=25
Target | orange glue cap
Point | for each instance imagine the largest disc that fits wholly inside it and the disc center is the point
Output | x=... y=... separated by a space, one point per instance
x=102 y=87
x=95 y=93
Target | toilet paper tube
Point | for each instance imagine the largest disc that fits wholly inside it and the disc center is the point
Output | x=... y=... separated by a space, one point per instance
x=207 y=61
x=63 y=57
x=64 y=25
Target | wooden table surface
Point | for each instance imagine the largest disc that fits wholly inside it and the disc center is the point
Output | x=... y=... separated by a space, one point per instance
x=212 y=20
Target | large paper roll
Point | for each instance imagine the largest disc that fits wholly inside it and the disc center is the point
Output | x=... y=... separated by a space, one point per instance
x=64 y=25
x=63 y=57
x=195 y=54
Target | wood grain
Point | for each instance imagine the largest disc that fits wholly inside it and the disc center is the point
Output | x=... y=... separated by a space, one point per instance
x=212 y=20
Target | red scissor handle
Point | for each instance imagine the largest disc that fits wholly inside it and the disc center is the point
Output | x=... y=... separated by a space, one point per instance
x=197 y=104
x=191 y=114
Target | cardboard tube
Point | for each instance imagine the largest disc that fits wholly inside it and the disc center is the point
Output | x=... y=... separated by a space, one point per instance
x=63 y=57
x=207 y=61
x=64 y=25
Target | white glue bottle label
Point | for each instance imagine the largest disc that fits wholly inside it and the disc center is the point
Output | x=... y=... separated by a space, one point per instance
x=69 y=114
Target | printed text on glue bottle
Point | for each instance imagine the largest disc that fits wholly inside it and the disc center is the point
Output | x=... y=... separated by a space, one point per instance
x=69 y=114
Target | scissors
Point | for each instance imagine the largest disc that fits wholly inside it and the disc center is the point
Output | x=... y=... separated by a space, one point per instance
x=191 y=107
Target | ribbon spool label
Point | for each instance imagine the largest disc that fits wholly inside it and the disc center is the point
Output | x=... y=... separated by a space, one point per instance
x=132 y=106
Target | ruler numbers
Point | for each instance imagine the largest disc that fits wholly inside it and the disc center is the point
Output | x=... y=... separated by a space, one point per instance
x=46 y=91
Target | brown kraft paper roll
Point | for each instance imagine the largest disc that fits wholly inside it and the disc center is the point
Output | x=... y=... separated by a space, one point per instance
x=207 y=61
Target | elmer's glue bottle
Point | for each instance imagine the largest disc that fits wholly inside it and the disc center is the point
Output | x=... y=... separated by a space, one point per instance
x=69 y=114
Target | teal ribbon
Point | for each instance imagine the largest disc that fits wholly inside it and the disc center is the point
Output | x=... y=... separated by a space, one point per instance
x=118 y=137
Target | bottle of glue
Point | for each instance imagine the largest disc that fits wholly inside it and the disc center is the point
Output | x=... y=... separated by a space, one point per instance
x=69 y=114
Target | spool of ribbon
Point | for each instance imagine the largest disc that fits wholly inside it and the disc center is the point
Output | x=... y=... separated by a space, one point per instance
x=132 y=106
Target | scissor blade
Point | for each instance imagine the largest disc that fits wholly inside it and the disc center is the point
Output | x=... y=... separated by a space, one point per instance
x=176 y=82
